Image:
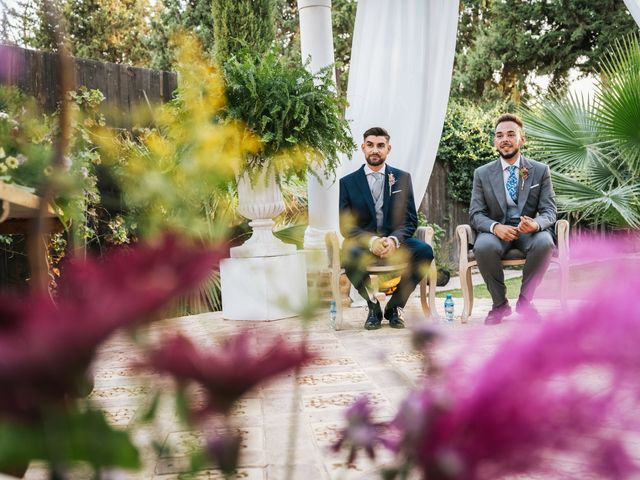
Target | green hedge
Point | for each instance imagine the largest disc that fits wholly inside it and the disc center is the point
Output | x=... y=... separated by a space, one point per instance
x=466 y=143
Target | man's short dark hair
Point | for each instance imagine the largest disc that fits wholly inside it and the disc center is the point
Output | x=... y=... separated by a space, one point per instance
x=376 y=132
x=509 y=117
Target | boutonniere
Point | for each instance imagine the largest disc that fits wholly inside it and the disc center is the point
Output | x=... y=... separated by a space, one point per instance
x=392 y=181
x=523 y=173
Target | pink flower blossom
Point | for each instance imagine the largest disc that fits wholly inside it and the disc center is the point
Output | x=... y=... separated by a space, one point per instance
x=361 y=432
x=224 y=450
x=230 y=372
x=46 y=347
x=566 y=387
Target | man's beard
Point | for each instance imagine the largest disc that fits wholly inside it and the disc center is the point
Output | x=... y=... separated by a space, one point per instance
x=374 y=162
x=509 y=156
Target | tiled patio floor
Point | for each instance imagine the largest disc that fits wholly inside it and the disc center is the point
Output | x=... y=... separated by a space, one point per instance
x=353 y=361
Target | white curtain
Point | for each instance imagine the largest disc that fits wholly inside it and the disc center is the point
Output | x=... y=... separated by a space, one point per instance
x=401 y=65
x=634 y=9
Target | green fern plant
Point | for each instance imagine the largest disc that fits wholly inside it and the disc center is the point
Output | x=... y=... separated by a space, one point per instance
x=296 y=115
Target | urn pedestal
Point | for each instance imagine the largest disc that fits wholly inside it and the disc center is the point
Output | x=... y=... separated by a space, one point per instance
x=265 y=278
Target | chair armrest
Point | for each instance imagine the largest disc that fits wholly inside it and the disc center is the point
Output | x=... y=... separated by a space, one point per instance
x=466 y=237
x=333 y=249
x=562 y=235
x=425 y=234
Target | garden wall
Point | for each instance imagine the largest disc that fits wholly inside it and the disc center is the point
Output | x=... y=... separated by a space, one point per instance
x=36 y=73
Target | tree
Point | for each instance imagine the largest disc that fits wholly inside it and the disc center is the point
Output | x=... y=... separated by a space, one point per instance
x=109 y=30
x=502 y=44
x=173 y=16
x=243 y=24
x=28 y=25
x=106 y=30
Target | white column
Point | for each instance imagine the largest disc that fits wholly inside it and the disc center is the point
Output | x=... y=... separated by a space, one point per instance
x=634 y=9
x=316 y=42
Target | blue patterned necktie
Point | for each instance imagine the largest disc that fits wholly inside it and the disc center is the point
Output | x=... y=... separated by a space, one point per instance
x=512 y=183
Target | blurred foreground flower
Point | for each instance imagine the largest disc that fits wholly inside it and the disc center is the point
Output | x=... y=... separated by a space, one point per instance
x=230 y=372
x=563 y=390
x=224 y=450
x=361 y=432
x=46 y=347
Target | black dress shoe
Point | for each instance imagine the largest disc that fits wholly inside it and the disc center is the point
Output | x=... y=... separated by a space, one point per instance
x=374 y=317
x=527 y=310
x=496 y=314
x=394 y=315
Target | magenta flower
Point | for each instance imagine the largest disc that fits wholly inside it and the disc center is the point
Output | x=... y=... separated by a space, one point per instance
x=230 y=372
x=361 y=432
x=567 y=386
x=224 y=450
x=46 y=347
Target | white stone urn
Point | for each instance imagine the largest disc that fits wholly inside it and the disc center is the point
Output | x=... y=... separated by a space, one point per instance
x=261 y=201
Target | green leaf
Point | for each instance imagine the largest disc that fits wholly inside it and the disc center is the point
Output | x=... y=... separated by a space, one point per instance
x=67 y=436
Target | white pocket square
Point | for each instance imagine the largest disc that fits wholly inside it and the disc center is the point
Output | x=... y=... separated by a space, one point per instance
x=534 y=186
x=396 y=191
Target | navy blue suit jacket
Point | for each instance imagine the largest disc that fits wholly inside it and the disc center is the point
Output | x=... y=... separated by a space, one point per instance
x=357 y=210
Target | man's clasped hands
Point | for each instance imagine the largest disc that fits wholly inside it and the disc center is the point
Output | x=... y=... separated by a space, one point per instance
x=383 y=247
x=509 y=233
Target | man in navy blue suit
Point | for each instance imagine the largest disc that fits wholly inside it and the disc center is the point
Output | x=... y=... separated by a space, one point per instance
x=378 y=219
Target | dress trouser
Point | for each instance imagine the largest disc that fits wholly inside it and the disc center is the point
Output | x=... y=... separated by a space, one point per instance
x=489 y=250
x=357 y=257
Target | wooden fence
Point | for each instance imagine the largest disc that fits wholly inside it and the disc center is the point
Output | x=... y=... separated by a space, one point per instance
x=439 y=208
x=36 y=73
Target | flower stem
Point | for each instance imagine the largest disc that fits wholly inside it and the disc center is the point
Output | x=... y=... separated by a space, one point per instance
x=293 y=425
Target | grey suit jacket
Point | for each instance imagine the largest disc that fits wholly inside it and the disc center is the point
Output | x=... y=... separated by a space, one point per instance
x=536 y=198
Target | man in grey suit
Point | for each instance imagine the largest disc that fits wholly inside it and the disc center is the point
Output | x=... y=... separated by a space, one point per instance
x=512 y=206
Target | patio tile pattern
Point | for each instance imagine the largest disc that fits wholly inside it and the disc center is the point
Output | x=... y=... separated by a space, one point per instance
x=351 y=362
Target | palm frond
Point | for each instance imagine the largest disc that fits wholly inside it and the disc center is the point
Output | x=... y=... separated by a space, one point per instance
x=618 y=109
x=618 y=206
x=624 y=56
x=562 y=131
x=606 y=173
x=206 y=298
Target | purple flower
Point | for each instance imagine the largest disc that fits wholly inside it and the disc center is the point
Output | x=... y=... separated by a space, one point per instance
x=562 y=386
x=230 y=372
x=224 y=450
x=424 y=335
x=361 y=433
x=46 y=347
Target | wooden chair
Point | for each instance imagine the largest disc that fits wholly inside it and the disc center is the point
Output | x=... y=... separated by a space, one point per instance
x=428 y=304
x=18 y=209
x=467 y=237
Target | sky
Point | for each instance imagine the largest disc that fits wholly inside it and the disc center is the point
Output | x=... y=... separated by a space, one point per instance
x=8 y=3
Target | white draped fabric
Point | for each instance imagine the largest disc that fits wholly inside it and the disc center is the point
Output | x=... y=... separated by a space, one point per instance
x=400 y=75
x=634 y=9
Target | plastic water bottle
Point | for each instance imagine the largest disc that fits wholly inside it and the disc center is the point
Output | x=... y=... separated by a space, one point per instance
x=448 y=308
x=332 y=313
